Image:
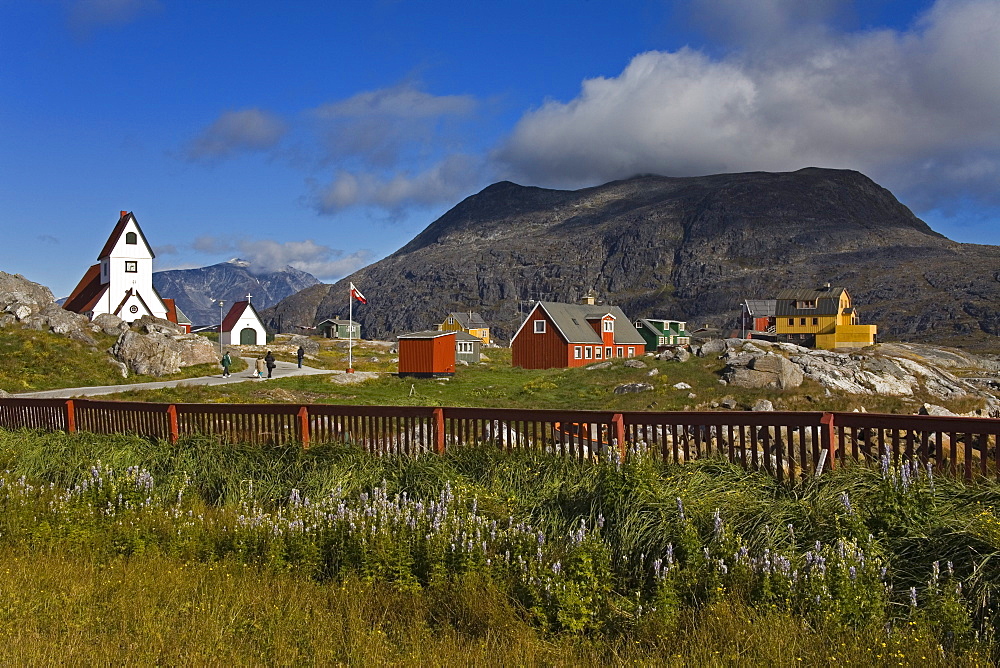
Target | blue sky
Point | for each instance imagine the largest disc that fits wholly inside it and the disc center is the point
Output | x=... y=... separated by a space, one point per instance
x=327 y=134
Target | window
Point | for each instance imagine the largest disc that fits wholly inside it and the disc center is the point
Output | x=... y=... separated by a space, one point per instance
x=815 y=321
x=131 y=267
x=805 y=303
x=607 y=352
x=619 y=351
x=609 y=325
x=802 y=321
x=577 y=352
x=588 y=352
x=631 y=351
x=131 y=238
x=791 y=322
x=539 y=327
x=597 y=352
x=465 y=347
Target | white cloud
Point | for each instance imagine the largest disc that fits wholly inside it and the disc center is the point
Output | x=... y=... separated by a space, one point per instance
x=265 y=255
x=445 y=181
x=85 y=15
x=917 y=110
x=237 y=131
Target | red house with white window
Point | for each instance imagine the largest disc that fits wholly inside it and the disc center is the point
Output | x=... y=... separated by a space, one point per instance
x=568 y=335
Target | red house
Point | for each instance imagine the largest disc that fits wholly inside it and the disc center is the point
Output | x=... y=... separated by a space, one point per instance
x=568 y=335
x=427 y=354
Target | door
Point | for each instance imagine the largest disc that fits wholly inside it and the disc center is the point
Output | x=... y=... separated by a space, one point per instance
x=248 y=336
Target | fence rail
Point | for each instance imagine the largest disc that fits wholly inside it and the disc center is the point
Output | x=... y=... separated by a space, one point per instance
x=788 y=445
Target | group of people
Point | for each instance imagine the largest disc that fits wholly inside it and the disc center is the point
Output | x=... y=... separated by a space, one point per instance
x=260 y=364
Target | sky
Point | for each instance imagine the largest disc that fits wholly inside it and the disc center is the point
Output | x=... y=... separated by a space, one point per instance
x=325 y=135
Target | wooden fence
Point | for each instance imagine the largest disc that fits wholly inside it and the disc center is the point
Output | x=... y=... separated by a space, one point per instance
x=788 y=445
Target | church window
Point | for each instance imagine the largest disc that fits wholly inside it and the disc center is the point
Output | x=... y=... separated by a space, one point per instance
x=131 y=238
x=131 y=267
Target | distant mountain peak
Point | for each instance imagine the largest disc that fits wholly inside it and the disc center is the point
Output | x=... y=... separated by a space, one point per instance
x=238 y=262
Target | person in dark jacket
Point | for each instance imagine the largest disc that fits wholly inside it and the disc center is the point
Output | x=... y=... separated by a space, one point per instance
x=227 y=362
x=269 y=360
x=300 y=353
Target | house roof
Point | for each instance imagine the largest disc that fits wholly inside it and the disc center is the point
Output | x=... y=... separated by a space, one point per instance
x=236 y=312
x=117 y=233
x=129 y=293
x=662 y=326
x=336 y=321
x=571 y=321
x=87 y=291
x=468 y=320
x=174 y=313
x=827 y=302
x=465 y=336
x=427 y=334
x=762 y=308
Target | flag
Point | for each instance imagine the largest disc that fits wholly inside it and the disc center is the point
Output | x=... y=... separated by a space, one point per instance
x=357 y=294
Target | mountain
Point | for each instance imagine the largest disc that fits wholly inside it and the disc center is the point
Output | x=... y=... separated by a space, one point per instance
x=198 y=291
x=685 y=248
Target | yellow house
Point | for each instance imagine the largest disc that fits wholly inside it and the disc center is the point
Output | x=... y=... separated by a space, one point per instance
x=823 y=318
x=471 y=323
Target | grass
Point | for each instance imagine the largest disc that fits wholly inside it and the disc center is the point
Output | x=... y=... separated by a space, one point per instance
x=35 y=361
x=207 y=565
x=497 y=384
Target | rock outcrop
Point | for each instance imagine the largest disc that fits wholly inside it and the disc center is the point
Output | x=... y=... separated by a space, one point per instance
x=158 y=353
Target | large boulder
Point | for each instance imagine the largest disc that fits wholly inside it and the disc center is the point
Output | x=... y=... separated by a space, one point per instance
x=54 y=318
x=150 y=324
x=110 y=324
x=762 y=371
x=307 y=343
x=21 y=297
x=158 y=354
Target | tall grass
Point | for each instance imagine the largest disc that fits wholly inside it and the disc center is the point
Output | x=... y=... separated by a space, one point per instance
x=594 y=562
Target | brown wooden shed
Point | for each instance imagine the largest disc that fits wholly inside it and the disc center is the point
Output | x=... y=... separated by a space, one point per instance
x=427 y=354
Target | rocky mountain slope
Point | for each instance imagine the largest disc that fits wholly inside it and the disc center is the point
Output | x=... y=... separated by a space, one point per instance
x=685 y=248
x=197 y=291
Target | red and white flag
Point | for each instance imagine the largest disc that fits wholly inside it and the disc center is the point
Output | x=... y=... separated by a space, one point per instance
x=357 y=294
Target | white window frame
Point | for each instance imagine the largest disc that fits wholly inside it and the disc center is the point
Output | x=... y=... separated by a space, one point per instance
x=620 y=351
x=539 y=327
x=134 y=264
x=588 y=352
x=631 y=351
x=607 y=352
x=578 y=352
x=597 y=352
x=609 y=325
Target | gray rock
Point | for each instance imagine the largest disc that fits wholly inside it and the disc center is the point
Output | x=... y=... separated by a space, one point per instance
x=110 y=324
x=787 y=374
x=635 y=364
x=692 y=395
x=763 y=405
x=4 y=394
x=308 y=344
x=631 y=388
x=21 y=297
x=653 y=372
x=484 y=358
x=158 y=354
x=599 y=365
x=682 y=386
x=931 y=409
x=729 y=403
x=713 y=347
x=461 y=363
x=682 y=355
x=151 y=325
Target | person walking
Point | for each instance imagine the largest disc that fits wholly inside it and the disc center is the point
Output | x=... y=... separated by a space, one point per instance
x=227 y=362
x=300 y=353
x=269 y=358
x=259 y=368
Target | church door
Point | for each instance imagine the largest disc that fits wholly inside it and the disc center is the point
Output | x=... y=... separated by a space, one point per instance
x=248 y=336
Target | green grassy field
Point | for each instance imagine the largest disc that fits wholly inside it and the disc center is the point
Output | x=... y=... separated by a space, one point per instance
x=117 y=549
x=34 y=361
x=498 y=384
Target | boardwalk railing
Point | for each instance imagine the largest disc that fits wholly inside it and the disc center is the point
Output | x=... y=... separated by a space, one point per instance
x=789 y=445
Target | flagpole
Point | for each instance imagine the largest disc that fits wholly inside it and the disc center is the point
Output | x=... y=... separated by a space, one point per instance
x=350 y=329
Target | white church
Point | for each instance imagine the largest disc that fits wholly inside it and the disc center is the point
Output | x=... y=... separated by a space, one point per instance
x=121 y=283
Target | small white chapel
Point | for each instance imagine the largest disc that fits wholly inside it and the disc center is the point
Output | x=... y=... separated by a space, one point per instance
x=243 y=326
x=121 y=283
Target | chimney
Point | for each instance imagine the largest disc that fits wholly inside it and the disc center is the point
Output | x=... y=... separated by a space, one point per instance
x=124 y=213
x=826 y=286
x=590 y=298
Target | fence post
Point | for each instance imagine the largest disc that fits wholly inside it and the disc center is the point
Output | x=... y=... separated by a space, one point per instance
x=439 y=430
x=619 y=424
x=172 y=418
x=829 y=439
x=70 y=416
x=304 y=426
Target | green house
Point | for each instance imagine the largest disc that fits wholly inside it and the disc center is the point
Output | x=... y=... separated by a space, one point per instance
x=335 y=328
x=662 y=333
